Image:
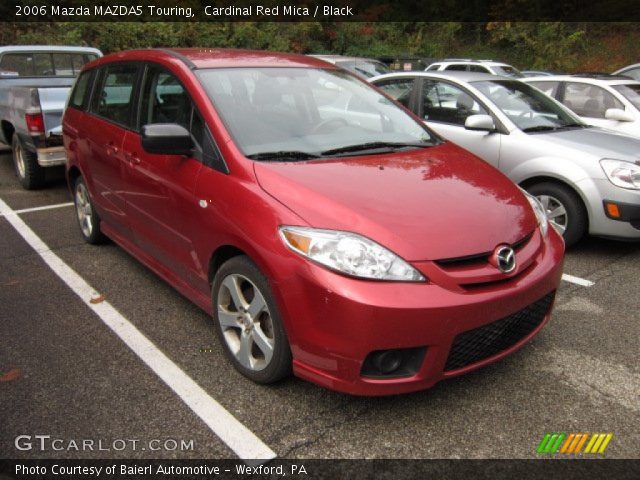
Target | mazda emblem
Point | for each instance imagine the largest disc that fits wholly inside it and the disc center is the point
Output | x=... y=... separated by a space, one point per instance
x=504 y=258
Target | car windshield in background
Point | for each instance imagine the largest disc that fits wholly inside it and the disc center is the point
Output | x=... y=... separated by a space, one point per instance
x=527 y=107
x=303 y=113
x=363 y=67
x=631 y=92
x=508 y=71
x=43 y=64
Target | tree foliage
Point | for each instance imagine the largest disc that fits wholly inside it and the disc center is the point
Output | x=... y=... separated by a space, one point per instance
x=540 y=45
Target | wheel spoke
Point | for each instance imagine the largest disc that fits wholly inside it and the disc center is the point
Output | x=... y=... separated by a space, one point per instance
x=232 y=283
x=544 y=200
x=264 y=343
x=227 y=319
x=557 y=212
x=258 y=304
x=244 y=354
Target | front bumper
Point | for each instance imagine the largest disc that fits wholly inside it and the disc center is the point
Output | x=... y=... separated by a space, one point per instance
x=597 y=192
x=335 y=322
x=51 y=156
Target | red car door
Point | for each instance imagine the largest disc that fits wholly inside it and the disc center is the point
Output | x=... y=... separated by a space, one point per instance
x=106 y=126
x=159 y=191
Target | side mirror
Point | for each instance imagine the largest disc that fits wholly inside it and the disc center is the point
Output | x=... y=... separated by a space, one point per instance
x=166 y=139
x=618 y=114
x=482 y=123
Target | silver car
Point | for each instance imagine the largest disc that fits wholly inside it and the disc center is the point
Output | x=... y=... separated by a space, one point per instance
x=587 y=178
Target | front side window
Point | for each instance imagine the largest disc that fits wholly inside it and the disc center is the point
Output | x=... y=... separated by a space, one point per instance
x=478 y=68
x=588 y=100
x=456 y=68
x=114 y=97
x=164 y=100
x=527 y=107
x=398 y=88
x=79 y=95
x=443 y=102
x=631 y=92
x=43 y=64
x=305 y=110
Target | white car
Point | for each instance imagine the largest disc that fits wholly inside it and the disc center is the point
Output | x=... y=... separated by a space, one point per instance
x=587 y=178
x=363 y=67
x=602 y=100
x=469 y=65
x=632 y=71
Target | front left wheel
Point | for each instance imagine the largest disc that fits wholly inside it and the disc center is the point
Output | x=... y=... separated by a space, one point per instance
x=248 y=322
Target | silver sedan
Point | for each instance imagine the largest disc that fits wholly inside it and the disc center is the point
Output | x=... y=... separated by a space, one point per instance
x=587 y=178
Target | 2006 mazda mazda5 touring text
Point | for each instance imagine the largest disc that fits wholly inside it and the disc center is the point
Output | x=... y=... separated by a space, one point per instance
x=326 y=229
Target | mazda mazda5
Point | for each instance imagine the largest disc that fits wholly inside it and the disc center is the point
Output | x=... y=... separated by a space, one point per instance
x=327 y=230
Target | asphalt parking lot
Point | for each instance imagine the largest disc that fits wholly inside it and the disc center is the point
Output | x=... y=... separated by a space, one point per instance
x=67 y=374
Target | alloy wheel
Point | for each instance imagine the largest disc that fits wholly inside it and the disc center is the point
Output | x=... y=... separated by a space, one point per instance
x=556 y=212
x=84 y=210
x=246 y=322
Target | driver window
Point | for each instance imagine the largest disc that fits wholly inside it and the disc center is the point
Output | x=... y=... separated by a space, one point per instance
x=443 y=102
x=164 y=100
x=588 y=100
x=399 y=89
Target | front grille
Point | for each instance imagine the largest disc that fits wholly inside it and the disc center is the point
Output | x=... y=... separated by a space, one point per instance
x=479 y=257
x=483 y=342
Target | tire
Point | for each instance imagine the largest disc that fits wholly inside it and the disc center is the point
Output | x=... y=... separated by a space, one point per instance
x=88 y=219
x=575 y=220
x=246 y=335
x=30 y=174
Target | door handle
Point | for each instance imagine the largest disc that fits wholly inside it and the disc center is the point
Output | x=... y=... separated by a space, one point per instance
x=133 y=158
x=111 y=148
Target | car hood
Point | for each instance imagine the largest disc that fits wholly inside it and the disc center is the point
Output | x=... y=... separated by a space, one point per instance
x=594 y=141
x=425 y=204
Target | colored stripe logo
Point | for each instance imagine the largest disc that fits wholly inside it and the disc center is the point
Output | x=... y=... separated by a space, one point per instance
x=573 y=443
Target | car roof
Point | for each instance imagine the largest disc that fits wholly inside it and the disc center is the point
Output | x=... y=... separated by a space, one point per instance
x=196 y=58
x=445 y=75
x=48 y=48
x=486 y=63
x=342 y=58
x=601 y=80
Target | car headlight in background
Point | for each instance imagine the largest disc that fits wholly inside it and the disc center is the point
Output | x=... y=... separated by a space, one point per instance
x=538 y=209
x=622 y=174
x=349 y=253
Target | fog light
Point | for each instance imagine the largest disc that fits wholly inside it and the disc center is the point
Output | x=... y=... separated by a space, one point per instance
x=393 y=363
x=387 y=361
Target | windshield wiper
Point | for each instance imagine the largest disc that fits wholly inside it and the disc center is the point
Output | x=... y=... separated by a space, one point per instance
x=283 y=155
x=550 y=128
x=361 y=147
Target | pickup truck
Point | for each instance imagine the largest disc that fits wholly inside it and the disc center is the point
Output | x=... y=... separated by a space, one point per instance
x=34 y=85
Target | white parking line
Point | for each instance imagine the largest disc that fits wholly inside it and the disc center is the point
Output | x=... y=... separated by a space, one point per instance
x=577 y=280
x=37 y=209
x=237 y=437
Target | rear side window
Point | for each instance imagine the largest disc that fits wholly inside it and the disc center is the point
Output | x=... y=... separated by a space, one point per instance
x=550 y=88
x=478 y=68
x=113 y=99
x=456 y=68
x=43 y=64
x=80 y=94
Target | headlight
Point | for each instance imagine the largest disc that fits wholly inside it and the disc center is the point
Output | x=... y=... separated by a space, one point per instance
x=349 y=253
x=538 y=209
x=622 y=174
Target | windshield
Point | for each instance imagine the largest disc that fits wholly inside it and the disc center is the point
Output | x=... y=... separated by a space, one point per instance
x=305 y=112
x=527 y=107
x=631 y=92
x=43 y=64
x=508 y=71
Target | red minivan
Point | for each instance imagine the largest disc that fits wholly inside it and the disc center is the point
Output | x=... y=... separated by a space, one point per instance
x=327 y=231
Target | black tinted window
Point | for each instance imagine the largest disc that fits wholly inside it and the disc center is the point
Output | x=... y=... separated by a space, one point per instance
x=79 y=95
x=399 y=89
x=43 y=64
x=456 y=68
x=113 y=99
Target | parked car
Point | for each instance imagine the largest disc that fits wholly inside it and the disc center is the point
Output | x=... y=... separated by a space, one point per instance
x=605 y=101
x=326 y=229
x=470 y=65
x=34 y=85
x=587 y=178
x=360 y=66
x=632 y=71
